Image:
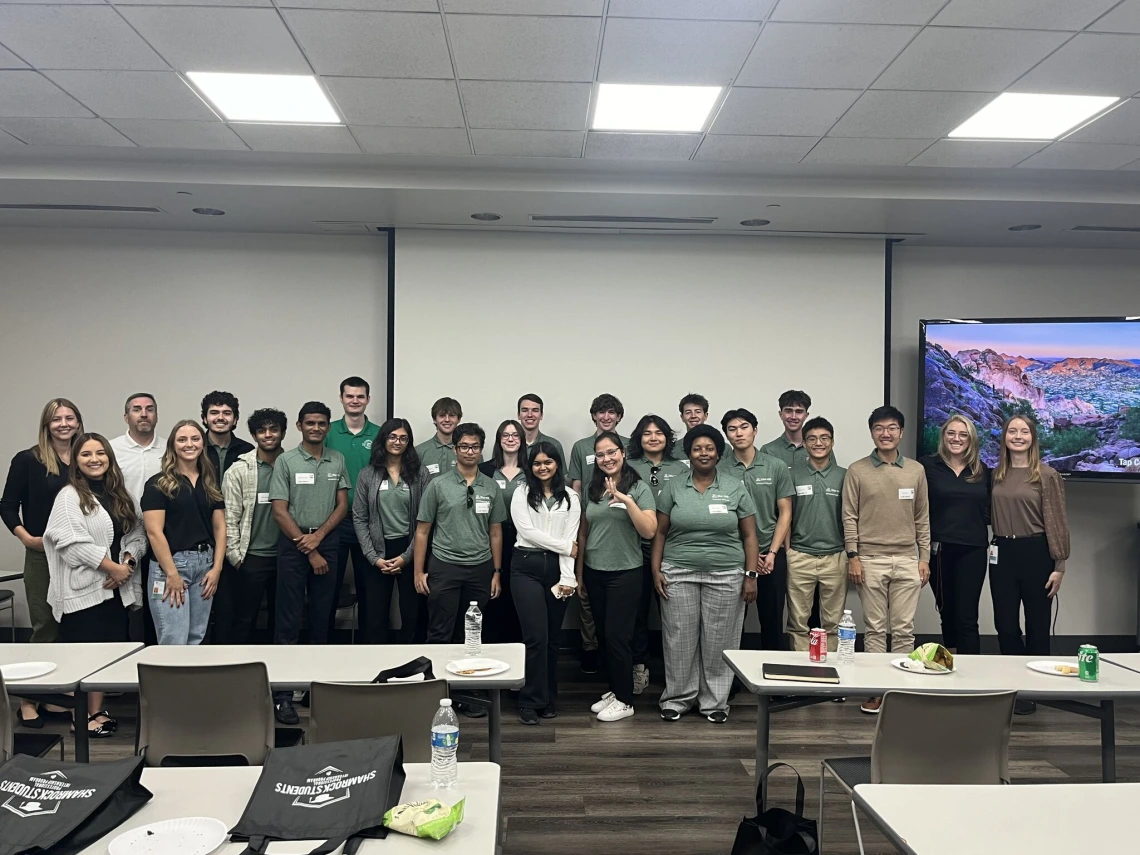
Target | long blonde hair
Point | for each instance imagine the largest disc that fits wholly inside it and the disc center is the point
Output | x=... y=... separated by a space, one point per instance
x=972 y=456
x=1005 y=463
x=168 y=476
x=122 y=505
x=44 y=451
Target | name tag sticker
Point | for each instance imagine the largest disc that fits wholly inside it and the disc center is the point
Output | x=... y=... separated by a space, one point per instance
x=384 y=484
x=993 y=553
x=433 y=468
x=263 y=498
x=906 y=492
x=482 y=507
x=502 y=484
x=333 y=476
x=158 y=588
x=804 y=489
x=589 y=460
x=306 y=478
x=718 y=509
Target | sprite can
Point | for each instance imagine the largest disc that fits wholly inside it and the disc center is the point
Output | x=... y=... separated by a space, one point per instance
x=1088 y=662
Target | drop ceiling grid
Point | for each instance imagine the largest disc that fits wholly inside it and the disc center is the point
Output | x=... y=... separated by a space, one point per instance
x=886 y=82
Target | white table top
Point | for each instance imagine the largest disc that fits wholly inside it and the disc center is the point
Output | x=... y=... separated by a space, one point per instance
x=223 y=793
x=296 y=667
x=872 y=674
x=1043 y=819
x=73 y=663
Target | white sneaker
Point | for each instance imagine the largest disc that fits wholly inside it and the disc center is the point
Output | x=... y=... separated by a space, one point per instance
x=607 y=699
x=616 y=711
x=640 y=678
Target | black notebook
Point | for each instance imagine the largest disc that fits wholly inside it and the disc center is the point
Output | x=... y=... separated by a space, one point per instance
x=801 y=673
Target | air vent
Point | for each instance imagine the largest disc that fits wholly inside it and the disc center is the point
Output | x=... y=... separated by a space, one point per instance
x=122 y=209
x=1105 y=229
x=599 y=218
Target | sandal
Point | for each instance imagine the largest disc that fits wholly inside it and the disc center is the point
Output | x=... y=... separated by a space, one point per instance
x=105 y=728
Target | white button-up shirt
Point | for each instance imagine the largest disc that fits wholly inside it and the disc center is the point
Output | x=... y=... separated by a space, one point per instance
x=138 y=462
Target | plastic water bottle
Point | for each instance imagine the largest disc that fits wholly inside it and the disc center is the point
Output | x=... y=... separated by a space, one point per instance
x=847 y=639
x=473 y=624
x=444 y=745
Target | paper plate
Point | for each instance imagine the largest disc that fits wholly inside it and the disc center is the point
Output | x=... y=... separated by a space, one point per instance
x=481 y=667
x=26 y=670
x=1049 y=666
x=898 y=663
x=191 y=835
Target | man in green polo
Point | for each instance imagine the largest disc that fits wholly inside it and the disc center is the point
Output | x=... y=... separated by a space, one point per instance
x=770 y=485
x=309 y=492
x=789 y=446
x=437 y=454
x=352 y=436
x=530 y=417
x=694 y=410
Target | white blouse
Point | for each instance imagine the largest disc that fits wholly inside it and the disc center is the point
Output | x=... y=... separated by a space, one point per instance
x=553 y=529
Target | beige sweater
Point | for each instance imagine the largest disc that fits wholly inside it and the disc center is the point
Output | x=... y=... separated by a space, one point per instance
x=885 y=509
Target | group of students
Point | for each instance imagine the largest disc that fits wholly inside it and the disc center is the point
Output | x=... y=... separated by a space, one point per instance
x=704 y=526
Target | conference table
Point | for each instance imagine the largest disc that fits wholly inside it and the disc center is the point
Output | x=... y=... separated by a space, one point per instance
x=1045 y=819
x=222 y=793
x=73 y=662
x=295 y=668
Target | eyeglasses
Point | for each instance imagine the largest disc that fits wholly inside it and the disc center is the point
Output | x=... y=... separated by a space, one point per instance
x=606 y=455
x=470 y=495
x=399 y=440
x=469 y=449
x=653 y=479
x=885 y=430
x=513 y=436
x=817 y=440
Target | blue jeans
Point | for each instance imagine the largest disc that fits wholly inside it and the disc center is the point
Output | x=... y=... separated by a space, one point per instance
x=185 y=624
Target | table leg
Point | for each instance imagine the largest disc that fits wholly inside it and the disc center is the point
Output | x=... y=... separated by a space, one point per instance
x=1108 y=741
x=82 y=740
x=762 y=722
x=495 y=728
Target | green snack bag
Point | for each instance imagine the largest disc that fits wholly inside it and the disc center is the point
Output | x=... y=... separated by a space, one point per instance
x=430 y=818
x=934 y=656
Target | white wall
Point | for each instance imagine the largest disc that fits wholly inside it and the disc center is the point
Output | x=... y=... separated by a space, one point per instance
x=95 y=315
x=1099 y=594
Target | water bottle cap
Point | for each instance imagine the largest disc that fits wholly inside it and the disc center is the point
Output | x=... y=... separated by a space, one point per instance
x=474 y=602
x=847 y=611
x=445 y=702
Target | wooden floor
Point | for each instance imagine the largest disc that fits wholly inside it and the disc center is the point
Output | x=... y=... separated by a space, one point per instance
x=576 y=786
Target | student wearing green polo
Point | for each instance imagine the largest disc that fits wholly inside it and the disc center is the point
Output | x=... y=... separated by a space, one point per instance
x=704 y=560
x=789 y=446
x=619 y=512
x=309 y=492
x=530 y=409
x=770 y=485
x=694 y=410
x=438 y=453
x=651 y=456
x=467 y=510
x=353 y=436
x=816 y=560
x=507 y=468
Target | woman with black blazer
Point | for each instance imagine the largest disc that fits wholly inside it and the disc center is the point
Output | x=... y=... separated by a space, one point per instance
x=959 y=489
x=507 y=467
x=388 y=492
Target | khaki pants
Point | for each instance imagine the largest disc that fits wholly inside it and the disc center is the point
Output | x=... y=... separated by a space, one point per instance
x=805 y=574
x=889 y=595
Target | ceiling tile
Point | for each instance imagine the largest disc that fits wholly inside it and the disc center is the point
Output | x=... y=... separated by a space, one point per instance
x=372 y=44
x=918 y=115
x=1023 y=14
x=968 y=60
x=506 y=47
x=194 y=38
x=397 y=103
x=858 y=11
x=823 y=56
x=848 y=151
x=534 y=106
x=977 y=153
x=362 y=5
x=782 y=112
x=438 y=142
x=1090 y=64
x=755 y=149
x=211 y=136
x=1122 y=125
x=526 y=7
x=74 y=37
x=28 y=94
x=186 y=3
x=64 y=132
x=1066 y=155
x=134 y=94
x=1125 y=18
x=10 y=60
x=704 y=10
x=298 y=138
x=674 y=52
x=602 y=145
x=527 y=143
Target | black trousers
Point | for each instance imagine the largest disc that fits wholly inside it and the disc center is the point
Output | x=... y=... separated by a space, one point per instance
x=771 y=596
x=451 y=588
x=535 y=572
x=224 y=612
x=379 y=589
x=102 y=623
x=614 y=596
x=641 y=623
x=295 y=579
x=349 y=547
x=956 y=576
x=254 y=581
x=1017 y=582
x=501 y=623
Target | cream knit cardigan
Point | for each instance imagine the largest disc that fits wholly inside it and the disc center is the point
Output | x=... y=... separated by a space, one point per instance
x=76 y=544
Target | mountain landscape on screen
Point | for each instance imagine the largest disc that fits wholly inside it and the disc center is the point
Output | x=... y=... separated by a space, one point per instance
x=1080 y=381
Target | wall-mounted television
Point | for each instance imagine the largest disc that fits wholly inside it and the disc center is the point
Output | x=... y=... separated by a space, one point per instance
x=1079 y=378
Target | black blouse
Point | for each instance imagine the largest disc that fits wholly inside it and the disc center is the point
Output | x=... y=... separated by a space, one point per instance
x=29 y=493
x=189 y=513
x=98 y=488
x=959 y=509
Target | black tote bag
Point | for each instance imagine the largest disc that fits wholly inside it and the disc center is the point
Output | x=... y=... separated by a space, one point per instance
x=48 y=806
x=419 y=665
x=333 y=791
x=776 y=831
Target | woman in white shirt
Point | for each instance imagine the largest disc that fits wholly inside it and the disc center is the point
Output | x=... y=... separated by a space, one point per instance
x=546 y=517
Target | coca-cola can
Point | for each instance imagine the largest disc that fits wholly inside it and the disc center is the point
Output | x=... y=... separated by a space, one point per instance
x=817 y=645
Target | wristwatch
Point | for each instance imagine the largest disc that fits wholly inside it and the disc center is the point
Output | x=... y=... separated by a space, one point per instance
x=852 y=554
x=498 y=570
x=752 y=574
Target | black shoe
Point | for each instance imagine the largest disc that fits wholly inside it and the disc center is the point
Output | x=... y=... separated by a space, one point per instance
x=472 y=711
x=286 y=713
x=36 y=723
x=589 y=662
x=839 y=700
x=717 y=716
x=1024 y=707
x=305 y=700
x=548 y=711
x=527 y=715
x=670 y=715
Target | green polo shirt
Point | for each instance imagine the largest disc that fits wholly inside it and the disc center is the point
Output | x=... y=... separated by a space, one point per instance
x=817 y=509
x=679 y=448
x=669 y=469
x=790 y=453
x=356 y=448
x=462 y=534
x=395 y=502
x=544 y=438
x=435 y=456
x=509 y=485
x=264 y=532
x=767 y=480
x=877 y=461
x=582 y=459
x=704 y=528
x=612 y=543
x=309 y=484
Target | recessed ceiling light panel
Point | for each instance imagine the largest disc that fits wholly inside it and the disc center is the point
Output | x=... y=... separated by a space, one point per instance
x=633 y=107
x=1022 y=116
x=273 y=98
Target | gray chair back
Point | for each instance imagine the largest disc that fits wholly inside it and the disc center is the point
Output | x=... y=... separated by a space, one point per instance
x=5 y=723
x=341 y=711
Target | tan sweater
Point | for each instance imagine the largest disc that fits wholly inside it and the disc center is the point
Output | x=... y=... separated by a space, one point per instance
x=885 y=508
